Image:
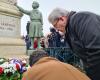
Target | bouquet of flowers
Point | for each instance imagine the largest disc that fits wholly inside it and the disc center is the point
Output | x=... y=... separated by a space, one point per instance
x=12 y=69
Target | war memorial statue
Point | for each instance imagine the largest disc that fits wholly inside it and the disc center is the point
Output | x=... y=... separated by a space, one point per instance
x=36 y=23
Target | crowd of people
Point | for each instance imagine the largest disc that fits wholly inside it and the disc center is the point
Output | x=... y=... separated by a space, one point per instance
x=53 y=39
x=81 y=33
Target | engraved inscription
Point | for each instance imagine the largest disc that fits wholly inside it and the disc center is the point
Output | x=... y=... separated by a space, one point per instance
x=8 y=26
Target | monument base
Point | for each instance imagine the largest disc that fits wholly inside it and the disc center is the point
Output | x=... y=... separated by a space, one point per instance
x=12 y=48
x=11 y=44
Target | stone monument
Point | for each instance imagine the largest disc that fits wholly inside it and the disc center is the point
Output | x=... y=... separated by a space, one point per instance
x=11 y=44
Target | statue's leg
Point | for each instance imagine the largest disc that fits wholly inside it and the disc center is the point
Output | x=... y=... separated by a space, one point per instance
x=39 y=45
x=32 y=42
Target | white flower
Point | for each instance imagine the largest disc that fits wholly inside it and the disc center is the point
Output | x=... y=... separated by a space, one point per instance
x=24 y=61
x=1 y=60
x=10 y=66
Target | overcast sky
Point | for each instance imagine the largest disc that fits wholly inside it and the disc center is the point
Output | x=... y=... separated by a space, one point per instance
x=46 y=7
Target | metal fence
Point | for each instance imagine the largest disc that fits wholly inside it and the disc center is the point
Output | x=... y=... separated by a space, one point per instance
x=65 y=55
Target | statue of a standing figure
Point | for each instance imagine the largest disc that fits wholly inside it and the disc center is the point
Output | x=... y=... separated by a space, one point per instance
x=36 y=23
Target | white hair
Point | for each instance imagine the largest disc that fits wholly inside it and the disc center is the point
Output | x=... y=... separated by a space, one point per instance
x=56 y=13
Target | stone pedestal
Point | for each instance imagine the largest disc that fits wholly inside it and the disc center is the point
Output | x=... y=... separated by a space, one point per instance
x=11 y=43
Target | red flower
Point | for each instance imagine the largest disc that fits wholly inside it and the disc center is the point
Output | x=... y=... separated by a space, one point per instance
x=18 y=66
x=1 y=70
x=23 y=63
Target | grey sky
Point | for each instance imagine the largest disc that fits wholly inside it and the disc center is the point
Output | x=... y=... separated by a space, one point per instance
x=46 y=7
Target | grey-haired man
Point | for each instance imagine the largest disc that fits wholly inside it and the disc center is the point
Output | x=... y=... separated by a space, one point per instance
x=82 y=31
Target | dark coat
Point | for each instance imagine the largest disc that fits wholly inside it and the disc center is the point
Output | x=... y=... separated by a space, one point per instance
x=83 y=35
x=27 y=27
x=54 y=39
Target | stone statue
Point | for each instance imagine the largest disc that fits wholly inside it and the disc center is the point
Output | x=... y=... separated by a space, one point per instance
x=36 y=22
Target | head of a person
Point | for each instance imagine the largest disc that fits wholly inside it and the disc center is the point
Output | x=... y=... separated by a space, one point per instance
x=58 y=18
x=28 y=21
x=37 y=55
x=35 y=5
x=52 y=29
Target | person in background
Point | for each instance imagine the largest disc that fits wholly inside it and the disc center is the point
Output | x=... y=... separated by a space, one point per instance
x=42 y=42
x=27 y=27
x=28 y=42
x=35 y=44
x=54 y=38
x=44 y=67
x=82 y=31
x=63 y=42
x=46 y=37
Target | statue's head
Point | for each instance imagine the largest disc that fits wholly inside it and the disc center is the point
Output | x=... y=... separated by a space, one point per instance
x=35 y=5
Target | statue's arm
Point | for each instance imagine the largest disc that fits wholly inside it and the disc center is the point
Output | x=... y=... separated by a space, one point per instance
x=22 y=10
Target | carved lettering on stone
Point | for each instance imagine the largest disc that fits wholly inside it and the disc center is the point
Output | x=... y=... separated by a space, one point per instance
x=8 y=26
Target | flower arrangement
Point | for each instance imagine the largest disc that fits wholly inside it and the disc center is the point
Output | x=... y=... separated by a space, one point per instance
x=12 y=69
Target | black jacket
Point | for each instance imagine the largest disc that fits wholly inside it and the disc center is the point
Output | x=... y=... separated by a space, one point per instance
x=83 y=35
x=27 y=27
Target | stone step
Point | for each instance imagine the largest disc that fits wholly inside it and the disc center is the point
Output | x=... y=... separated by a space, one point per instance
x=16 y=56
